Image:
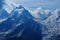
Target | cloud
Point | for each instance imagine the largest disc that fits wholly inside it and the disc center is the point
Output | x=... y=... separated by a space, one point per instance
x=33 y=4
x=44 y=3
x=10 y=5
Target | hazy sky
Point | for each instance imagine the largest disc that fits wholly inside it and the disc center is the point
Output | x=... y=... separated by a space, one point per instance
x=46 y=4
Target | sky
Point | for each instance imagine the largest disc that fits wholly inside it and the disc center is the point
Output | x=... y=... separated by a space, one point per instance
x=45 y=4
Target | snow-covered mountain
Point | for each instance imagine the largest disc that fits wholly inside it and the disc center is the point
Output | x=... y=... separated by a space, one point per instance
x=18 y=23
x=40 y=13
x=20 y=26
x=50 y=20
x=52 y=24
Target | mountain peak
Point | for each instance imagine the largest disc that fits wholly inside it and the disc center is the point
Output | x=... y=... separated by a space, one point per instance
x=20 y=6
x=3 y=14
